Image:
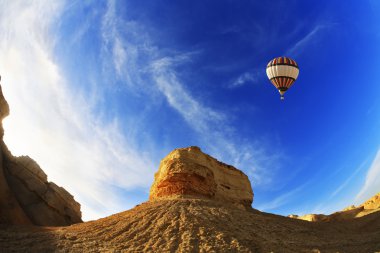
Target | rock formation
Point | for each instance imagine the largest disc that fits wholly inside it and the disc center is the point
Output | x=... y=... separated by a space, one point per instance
x=192 y=208
x=26 y=197
x=197 y=225
x=370 y=206
x=188 y=172
x=373 y=203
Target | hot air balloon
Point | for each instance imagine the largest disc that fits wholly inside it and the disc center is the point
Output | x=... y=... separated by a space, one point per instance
x=282 y=72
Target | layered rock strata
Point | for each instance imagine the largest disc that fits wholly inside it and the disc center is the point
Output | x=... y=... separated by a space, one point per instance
x=188 y=172
x=26 y=196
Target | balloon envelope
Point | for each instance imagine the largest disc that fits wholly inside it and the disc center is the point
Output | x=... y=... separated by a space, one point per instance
x=282 y=72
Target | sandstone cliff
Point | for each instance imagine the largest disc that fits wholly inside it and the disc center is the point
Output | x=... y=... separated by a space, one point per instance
x=370 y=206
x=26 y=196
x=188 y=172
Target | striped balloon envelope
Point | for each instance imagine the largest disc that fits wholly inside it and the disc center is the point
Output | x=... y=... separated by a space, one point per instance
x=282 y=72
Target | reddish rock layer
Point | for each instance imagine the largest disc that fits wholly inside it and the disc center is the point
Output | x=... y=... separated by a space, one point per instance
x=188 y=172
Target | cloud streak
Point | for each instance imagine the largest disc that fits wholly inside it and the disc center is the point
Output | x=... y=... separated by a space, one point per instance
x=54 y=124
x=152 y=73
x=349 y=179
x=196 y=115
x=282 y=199
x=247 y=77
x=301 y=44
x=372 y=182
x=63 y=129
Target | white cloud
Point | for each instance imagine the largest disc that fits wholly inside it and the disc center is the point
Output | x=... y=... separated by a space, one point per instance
x=348 y=180
x=112 y=36
x=372 y=182
x=306 y=40
x=247 y=77
x=139 y=60
x=370 y=188
x=54 y=124
x=196 y=114
x=281 y=200
x=125 y=46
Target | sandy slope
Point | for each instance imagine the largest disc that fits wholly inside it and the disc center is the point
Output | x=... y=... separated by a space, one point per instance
x=191 y=225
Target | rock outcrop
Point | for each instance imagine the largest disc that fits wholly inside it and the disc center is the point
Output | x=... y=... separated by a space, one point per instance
x=197 y=225
x=181 y=216
x=373 y=203
x=26 y=196
x=370 y=206
x=188 y=172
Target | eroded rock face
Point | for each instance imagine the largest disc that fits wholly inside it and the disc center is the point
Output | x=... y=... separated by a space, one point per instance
x=26 y=196
x=188 y=172
x=372 y=203
x=370 y=206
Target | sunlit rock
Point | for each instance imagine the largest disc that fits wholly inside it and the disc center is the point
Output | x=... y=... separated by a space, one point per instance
x=188 y=172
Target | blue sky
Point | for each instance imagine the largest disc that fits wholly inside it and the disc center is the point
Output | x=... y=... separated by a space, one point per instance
x=101 y=91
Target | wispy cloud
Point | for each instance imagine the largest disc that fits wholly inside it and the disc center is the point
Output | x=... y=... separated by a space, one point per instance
x=370 y=188
x=54 y=124
x=349 y=179
x=123 y=48
x=372 y=182
x=196 y=114
x=282 y=199
x=308 y=39
x=214 y=128
x=112 y=38
x=247 y=77
x=57 y=126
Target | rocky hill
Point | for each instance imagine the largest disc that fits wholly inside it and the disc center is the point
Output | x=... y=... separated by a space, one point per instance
x=198 y=204
x=197 y=225
x=26 y=196
x=370 y=206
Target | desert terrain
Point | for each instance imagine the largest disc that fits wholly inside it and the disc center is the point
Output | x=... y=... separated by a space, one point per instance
x=196 y=225
x=196 y=204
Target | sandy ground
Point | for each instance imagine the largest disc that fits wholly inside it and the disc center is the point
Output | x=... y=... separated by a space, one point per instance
x=191 y=225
